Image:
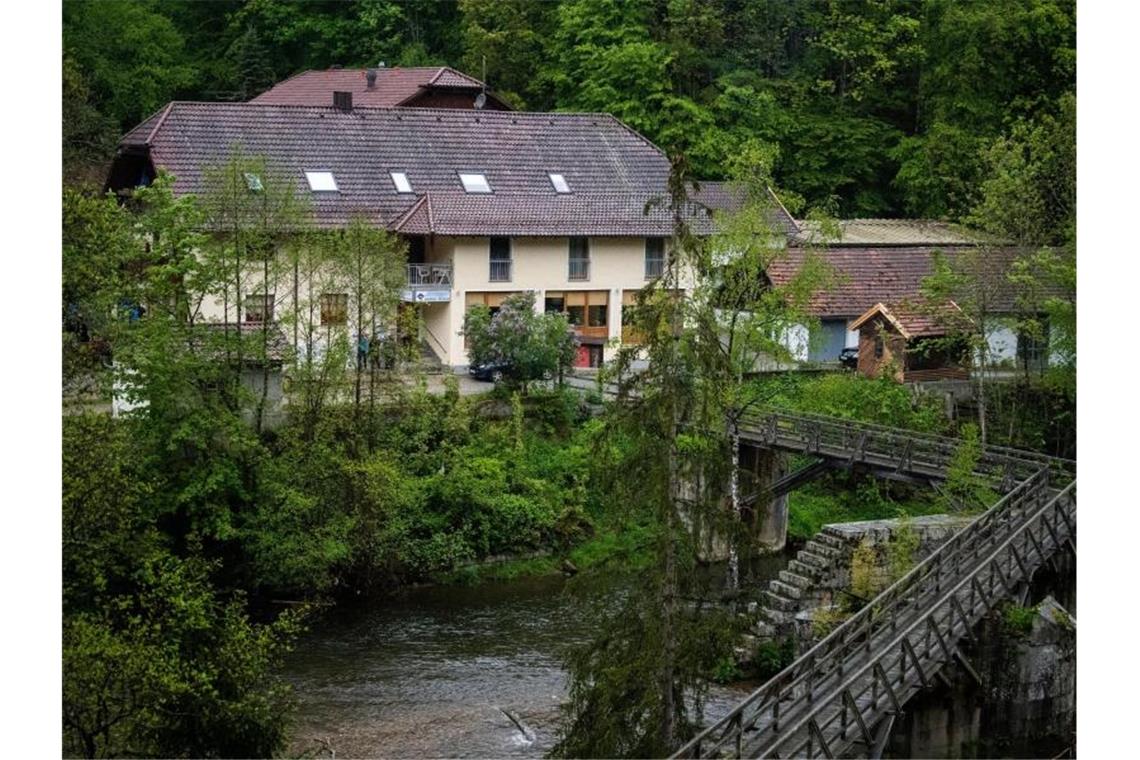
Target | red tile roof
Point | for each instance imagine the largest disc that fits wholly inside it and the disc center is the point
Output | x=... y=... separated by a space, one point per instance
x=912 y=321
x=867 y=275
x=612 y=171
x=394 y=86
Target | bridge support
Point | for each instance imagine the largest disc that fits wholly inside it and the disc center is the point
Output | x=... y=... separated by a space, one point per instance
x=769 y=520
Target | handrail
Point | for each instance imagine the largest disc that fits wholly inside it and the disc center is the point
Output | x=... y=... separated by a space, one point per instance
x=859 y=631
x=428 y=275
x=934 y=452
x=1020 y=454
x=931 y=611
x=432 y=335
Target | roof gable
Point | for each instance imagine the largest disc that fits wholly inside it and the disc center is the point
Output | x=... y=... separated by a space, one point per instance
x=913 y=322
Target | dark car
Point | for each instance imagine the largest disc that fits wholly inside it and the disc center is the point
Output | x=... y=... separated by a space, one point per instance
x=849 y=358
x=492 y=372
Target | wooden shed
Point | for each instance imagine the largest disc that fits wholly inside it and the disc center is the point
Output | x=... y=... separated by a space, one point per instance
x=913 y=345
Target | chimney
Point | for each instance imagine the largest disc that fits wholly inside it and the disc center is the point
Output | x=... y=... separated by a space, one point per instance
x=371 y=77
x=342 y=100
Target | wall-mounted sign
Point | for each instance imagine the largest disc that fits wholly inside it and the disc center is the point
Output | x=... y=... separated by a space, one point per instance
x=427 y=296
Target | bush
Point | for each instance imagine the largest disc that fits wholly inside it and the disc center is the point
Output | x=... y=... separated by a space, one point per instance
x=855 y=397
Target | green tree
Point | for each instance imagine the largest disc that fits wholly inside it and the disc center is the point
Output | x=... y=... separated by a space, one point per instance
x=510 y=39
x=529 y=346
x=88 y=135
x=370 y=263
x=633 y=686
x=155 y=661
x=254 y=210
x=133 y=56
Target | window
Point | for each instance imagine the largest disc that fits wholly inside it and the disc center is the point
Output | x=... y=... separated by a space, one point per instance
x=579 y=258
x=334 y=308
x=259 y=307
x=500 y=259
x=321 y=182
x=253 y=182
x=654 y=257
x=878 y=346
x=474 y=183
x=559 y=183
x=596 y=315
x=400 y=180
x=1033 y=347
x=583 y=308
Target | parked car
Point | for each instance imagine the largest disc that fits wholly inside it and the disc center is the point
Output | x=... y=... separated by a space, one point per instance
x=849 y=358
x=492 y=372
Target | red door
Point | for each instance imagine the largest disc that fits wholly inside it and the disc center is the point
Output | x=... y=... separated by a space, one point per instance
x=583 y=357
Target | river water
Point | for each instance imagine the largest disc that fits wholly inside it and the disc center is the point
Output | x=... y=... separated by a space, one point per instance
x=447 y=671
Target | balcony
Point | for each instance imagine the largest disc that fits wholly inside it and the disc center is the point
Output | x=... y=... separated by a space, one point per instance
x=428 y=283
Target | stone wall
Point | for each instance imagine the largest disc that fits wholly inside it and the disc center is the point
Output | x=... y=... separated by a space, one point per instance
x=1024 y=707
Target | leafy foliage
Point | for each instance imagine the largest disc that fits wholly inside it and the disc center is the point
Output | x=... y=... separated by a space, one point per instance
x=527 y=345
x=874 y=108
x=156 y=660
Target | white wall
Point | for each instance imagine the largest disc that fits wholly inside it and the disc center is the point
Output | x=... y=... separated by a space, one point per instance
x=796 y=339
x=1002 y=343
x=541 y=265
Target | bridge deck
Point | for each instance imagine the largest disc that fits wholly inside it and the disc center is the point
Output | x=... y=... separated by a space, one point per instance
x=846 y=689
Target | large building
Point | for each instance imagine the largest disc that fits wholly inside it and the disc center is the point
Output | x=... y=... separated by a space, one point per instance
x=491 y=202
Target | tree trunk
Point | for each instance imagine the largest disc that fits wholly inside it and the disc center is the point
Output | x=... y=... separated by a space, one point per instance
x=734 y=493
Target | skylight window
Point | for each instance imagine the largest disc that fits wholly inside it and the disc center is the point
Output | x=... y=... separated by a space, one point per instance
x=400 y=180
x=559 y=183
x=474 y=183
x=321 y=182
x=253 y=182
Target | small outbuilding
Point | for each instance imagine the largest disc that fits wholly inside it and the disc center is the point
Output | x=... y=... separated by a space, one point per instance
x=911 y=344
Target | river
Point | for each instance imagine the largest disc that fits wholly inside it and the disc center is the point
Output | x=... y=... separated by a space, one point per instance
x=447 y=671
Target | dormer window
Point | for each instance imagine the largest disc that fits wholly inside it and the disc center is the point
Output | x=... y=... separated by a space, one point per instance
x=400 y=180
x=474 y=183
x=321 y=182
x=559 y=182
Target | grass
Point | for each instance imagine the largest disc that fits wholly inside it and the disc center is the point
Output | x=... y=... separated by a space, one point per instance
x=819 y=504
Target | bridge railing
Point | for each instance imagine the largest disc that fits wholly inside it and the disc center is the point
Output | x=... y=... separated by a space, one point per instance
x=949 y=613
x=909 y=451
x=798 y=684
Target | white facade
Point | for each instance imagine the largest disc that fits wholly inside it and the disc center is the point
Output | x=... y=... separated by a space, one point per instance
x=616 y=270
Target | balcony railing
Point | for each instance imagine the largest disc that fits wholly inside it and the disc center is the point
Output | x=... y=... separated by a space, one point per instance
x=428 y=283
x=429 y=275
x=579 y=269
x=500 y=271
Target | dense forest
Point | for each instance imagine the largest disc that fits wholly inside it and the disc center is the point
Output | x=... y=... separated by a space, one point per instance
x=875 y=108
x=190 y=534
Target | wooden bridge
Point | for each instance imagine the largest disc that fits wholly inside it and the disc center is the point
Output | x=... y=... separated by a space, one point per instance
x=844 y=694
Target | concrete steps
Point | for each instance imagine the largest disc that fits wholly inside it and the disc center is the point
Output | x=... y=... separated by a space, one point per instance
x=795 y=579
x=788 y=593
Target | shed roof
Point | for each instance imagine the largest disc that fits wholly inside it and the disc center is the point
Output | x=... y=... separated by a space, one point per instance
x=914 y=322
